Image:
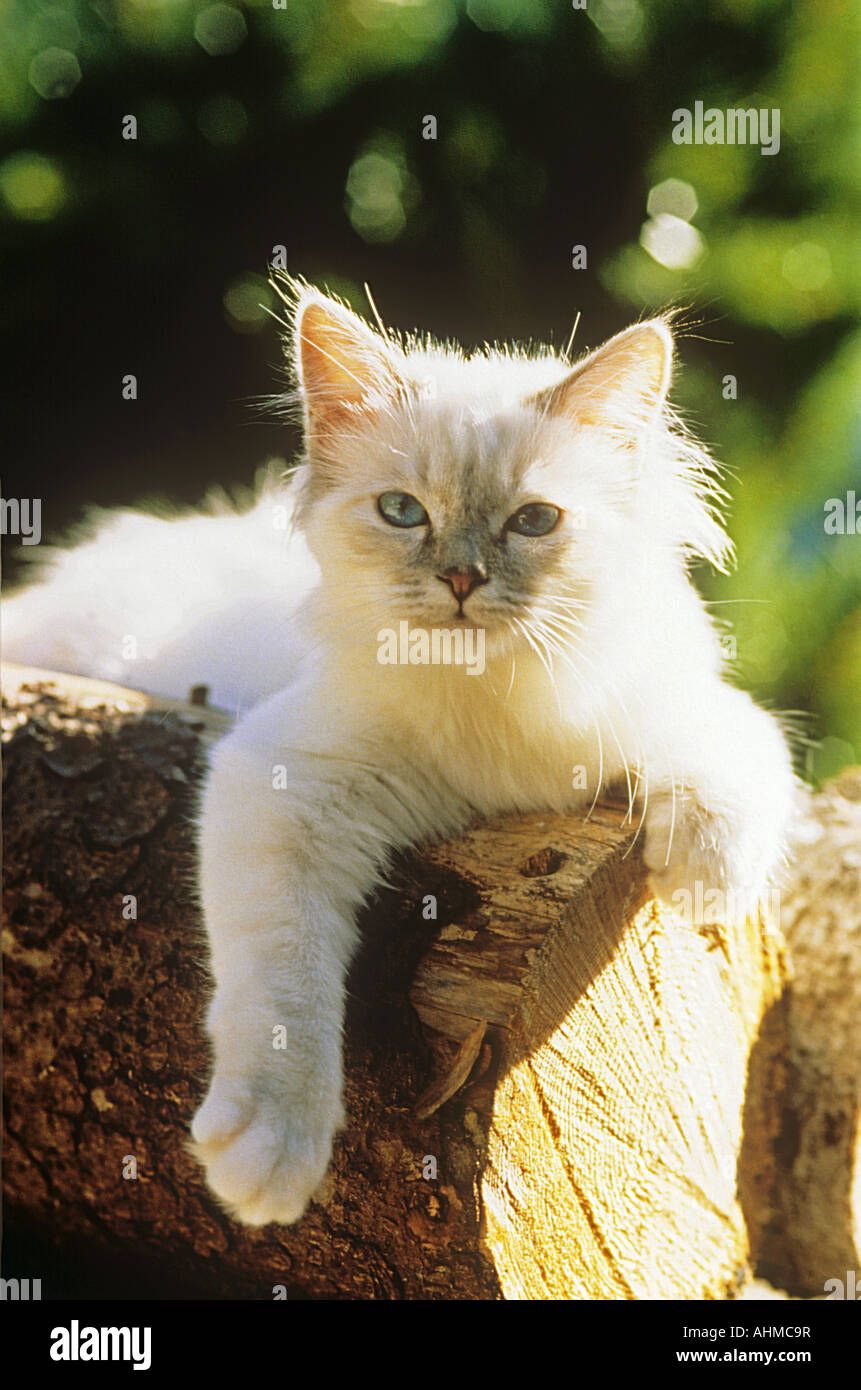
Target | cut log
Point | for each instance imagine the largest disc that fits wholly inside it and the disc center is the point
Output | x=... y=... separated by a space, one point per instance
x=815 y=1235
x=556 y=1089
x=639 y=1066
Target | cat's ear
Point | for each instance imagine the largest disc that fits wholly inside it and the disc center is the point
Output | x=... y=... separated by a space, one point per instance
x=621 y=383
x=345 y=369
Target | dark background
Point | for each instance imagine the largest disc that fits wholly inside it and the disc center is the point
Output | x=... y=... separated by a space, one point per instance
x=302 y=127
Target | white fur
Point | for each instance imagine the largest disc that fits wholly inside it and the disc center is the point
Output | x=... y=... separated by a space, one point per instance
x=378 y=757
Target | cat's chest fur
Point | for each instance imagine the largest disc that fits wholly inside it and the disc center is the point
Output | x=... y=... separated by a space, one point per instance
x=508 y=739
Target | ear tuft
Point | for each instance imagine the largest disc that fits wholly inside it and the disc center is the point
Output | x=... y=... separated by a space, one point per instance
x=344 y=367
x=624 y=381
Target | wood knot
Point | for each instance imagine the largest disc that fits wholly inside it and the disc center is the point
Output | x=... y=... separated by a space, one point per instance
x=546 y=861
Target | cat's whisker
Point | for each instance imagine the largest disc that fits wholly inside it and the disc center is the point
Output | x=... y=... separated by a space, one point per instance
x=597 y=727
x=565 y=657
x=568 y=346
x=543 y=658
x=513 y=672
x=672 y=823
x=645 y=809
x=282 y=323
x=567 y=628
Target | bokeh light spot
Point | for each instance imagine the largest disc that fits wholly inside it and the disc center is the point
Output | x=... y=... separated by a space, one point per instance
x=492 y=15
x=673 y=196
x=375 y=187
x=220 y=29
x=416 y=19
x=807 y=266
x=619 y=21
x=828 y=757
x=246 y=301
x=672 y=242
x=222 y=120
x=32 y=186
x=161 y=121
x=54 y=73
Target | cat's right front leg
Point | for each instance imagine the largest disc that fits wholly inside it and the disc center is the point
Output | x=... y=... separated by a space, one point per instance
x=279 y=884
x=264 y=1132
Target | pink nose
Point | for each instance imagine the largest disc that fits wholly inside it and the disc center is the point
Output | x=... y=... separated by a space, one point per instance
x=462 y=579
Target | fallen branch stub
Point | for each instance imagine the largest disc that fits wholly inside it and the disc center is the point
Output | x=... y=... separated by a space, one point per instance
x=572 y=1059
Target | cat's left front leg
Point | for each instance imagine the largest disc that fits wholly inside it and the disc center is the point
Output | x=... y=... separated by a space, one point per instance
x=720 y=796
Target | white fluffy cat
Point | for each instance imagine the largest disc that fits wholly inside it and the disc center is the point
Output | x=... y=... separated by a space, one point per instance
x=554 y=508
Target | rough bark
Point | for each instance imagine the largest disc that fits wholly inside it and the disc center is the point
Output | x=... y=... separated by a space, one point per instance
x=816 y=1231
x=597 y=1083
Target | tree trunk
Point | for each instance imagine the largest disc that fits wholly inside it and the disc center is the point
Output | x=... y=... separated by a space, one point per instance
x=555 y=1088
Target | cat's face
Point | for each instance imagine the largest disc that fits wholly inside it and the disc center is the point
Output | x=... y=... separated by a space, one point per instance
x=476 y=503
x=447 y=520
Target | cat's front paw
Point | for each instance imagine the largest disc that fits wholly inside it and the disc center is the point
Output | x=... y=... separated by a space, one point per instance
x=266 y=1148
x=710 y=864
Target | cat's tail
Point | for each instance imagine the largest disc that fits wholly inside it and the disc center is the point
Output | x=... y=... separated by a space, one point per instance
x=162 y=603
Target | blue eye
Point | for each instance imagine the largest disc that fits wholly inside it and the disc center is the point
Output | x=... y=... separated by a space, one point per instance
x=401 y=509
x=536 y=519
